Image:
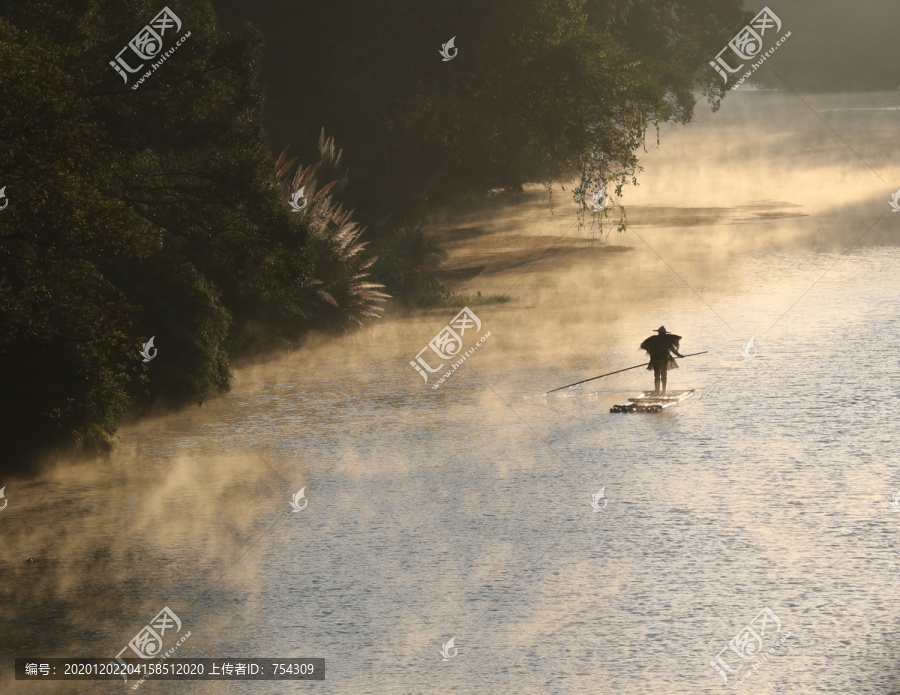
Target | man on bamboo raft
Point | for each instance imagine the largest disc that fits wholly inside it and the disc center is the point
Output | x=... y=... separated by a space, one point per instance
x=661 y=348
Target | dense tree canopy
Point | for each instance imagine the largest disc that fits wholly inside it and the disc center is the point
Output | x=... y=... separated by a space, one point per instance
x=139 y=213
x=539 y=90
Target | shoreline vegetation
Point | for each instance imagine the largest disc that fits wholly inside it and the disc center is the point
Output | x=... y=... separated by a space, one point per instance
x=164 y=213
x=456 y=302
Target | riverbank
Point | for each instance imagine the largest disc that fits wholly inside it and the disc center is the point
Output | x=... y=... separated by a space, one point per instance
x=464 y=511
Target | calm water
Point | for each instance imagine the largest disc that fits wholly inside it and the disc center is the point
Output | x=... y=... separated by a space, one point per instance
x=465 y=511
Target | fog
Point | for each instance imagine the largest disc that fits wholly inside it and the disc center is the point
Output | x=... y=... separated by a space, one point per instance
x=462 y=511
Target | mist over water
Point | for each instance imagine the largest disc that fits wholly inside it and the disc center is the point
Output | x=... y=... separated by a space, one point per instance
x=464 y=511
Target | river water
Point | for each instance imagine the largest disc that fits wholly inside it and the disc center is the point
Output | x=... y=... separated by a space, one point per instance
x=465 y=511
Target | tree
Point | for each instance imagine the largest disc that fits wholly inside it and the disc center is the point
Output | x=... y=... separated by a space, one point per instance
x=64 y=327
x=539 y=91
x=145 y=212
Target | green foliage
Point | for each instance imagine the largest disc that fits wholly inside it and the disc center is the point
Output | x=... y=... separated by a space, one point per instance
x=540 y=91
x=404 y=262
x=455 y=301
x=139 y=213
x=65 y=329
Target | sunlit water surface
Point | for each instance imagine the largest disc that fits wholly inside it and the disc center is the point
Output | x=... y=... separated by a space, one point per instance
x=465 y=511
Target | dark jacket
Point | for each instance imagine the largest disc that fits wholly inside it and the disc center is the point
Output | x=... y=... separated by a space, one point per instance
x=659 y=348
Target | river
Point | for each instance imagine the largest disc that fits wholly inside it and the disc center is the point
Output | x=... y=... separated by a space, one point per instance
x=465 y=511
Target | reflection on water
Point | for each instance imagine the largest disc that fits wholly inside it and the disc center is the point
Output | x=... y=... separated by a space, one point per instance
x=466 y=512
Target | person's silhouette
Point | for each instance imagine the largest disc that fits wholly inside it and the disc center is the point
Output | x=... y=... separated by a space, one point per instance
x=661 y=347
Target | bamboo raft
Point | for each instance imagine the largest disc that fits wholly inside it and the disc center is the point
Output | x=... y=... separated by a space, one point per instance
x=648 y=403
